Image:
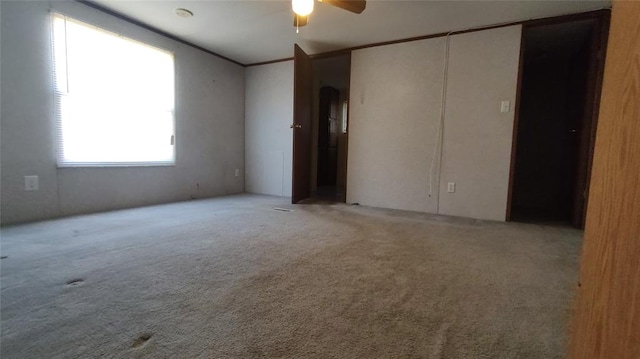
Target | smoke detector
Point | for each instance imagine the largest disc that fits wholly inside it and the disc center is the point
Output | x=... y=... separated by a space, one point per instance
x=183 y=12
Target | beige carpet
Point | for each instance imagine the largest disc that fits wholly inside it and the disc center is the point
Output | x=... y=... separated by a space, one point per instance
x=233 y=278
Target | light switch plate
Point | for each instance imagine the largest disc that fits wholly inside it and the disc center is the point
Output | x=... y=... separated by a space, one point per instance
x=504 y=106
x=31 y=183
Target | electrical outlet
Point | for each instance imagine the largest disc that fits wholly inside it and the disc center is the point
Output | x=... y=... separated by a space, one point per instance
x=237 y=172
x=31 y=183
x=451 y=187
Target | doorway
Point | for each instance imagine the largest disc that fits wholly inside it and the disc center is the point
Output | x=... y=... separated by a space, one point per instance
x=561 y=70
x=329 y=128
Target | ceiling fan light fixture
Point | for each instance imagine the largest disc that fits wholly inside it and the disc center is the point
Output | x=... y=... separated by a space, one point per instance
x=302 y=7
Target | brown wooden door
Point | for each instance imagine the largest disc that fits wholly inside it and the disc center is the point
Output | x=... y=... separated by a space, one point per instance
x=302 y=92
x=606 y=321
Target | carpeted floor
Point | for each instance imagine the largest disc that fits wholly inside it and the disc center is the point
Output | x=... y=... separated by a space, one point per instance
x=233 y=278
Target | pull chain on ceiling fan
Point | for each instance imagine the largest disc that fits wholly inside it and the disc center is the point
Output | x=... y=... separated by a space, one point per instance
x=302 y=9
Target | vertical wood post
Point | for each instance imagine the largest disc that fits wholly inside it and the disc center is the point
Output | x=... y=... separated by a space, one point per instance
x=606 y=322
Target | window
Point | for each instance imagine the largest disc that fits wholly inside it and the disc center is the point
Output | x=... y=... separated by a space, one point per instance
x=114 y=98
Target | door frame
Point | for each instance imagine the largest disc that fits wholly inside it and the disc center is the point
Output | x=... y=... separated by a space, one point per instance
x=342 y=53
x=597 y=55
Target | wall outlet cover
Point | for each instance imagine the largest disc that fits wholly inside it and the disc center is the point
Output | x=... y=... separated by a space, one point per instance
x=31 y=183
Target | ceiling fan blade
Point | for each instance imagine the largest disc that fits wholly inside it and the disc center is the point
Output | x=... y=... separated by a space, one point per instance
x=300 y=21
x=355 y=6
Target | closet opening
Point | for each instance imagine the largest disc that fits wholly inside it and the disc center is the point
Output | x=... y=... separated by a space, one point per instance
x=560 y=81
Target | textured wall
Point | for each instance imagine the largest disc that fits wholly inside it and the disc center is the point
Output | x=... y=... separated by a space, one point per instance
x=396 y=97
x=395 y=111
x=209 y=125
x=476 y=153
x=268 y=138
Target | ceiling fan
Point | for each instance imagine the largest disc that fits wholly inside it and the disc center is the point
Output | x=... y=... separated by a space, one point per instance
x=302 y=8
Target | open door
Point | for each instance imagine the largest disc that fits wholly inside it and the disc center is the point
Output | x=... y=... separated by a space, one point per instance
x=302 y=93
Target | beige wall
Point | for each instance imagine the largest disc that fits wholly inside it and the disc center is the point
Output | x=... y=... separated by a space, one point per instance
x=268 y=138
x=395 y=112
x=396 y=96
x=483 y=71
x=209 y=124
x=395 y=103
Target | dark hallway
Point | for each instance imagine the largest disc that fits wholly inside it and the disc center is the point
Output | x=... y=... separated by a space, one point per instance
x=554 y=126
x=332 y=90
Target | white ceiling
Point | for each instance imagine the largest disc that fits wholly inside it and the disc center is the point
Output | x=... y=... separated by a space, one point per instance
x=257 y=31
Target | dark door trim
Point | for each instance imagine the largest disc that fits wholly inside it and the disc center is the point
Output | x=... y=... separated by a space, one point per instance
x=516 y=121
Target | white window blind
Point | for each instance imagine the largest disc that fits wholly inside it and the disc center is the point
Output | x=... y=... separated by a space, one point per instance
x=114 y=98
